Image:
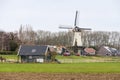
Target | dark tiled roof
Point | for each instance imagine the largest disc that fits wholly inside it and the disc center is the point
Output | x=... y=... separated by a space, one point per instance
x=32 y=50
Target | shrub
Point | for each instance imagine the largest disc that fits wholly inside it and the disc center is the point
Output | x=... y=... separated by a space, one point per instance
x=8 y=53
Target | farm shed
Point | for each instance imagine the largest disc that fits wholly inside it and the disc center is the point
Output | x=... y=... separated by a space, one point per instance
x=107 y=51
x=33 y=53
x=89 y=51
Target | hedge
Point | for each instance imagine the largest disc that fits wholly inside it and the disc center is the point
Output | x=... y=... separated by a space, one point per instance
x=8 y=53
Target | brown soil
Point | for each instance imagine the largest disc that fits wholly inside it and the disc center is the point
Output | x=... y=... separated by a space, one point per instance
x=59 y=76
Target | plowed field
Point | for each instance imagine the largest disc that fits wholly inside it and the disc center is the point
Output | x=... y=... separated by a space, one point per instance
x=59 y=76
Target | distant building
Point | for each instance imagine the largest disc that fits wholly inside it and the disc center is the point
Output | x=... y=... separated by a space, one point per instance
x=118 y=53
x=107 y=51
x=89 y=51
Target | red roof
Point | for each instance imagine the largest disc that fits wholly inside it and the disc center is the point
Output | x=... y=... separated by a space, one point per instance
x=89 y=50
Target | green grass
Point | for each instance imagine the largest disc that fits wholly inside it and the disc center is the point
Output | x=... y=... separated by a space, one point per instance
x=79 y=59
x=62 y=68
x=109 y=65
x=10 y=56
x=86 y=57
x=75 y=59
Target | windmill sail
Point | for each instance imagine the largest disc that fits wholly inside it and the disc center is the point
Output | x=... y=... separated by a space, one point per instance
x=62 y=27
x=85 y=28
x=76 y=19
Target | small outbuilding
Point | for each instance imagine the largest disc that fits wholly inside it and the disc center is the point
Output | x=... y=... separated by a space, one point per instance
x=33 y=53
x=89 y=51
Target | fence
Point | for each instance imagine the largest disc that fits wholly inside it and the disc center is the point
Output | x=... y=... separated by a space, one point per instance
x=87 y=60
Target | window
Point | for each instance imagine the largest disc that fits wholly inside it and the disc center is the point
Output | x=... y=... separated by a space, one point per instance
x=30 y=57
x=33 y=50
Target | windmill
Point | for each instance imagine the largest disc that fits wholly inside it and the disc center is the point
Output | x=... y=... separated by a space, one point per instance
x=77 y=31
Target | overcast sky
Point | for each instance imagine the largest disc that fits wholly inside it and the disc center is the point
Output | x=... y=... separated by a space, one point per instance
x=100 y=15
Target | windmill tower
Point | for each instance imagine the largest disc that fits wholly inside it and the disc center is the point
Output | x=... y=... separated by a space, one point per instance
x=77 y=32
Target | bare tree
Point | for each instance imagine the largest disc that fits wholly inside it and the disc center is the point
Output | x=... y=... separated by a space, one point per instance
x=27 y=35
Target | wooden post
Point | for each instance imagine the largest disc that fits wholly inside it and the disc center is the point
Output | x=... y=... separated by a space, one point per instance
x=18 y=59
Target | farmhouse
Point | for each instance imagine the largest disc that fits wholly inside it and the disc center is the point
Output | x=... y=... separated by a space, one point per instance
x=36 y=53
